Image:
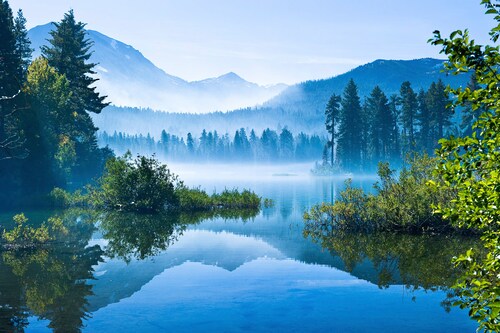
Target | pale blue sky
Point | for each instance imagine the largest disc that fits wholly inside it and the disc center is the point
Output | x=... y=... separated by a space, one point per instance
x=268 y=41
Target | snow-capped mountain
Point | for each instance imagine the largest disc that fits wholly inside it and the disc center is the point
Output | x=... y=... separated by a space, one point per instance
x=130 y=79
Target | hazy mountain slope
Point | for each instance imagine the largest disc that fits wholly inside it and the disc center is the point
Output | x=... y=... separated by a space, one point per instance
x=300 y=107
x=387 y=74
x=130 y=79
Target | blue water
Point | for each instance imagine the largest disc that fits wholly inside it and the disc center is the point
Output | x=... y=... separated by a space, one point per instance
x=259 y=275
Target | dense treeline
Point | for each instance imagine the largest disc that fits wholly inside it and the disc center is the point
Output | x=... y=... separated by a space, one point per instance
x=361 y=134
x=47 y=137
x=270 y=146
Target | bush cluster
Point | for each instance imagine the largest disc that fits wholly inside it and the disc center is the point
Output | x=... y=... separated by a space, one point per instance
x=144 y=184
x=403 y=203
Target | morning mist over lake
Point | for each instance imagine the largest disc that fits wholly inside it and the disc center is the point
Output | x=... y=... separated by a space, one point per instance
x=249 y=166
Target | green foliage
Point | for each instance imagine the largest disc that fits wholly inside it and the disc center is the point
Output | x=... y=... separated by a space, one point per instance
x=405 y=203
x=347 y=213
x=470 y=165
x=46 y=132
x=268 y=203
x=400 y=204
x=235 y=199
x=61 y=198
x=52 y=281
x=417 y=261
x=332 y=115
x=25 y=236
x=146 y=185
x=139 y=235
x=142 y=184
x=350 y=140
x=194 y=199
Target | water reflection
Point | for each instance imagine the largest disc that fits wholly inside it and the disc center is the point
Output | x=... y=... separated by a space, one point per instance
x=253 y=269
x=132 y=235
x=417 y=261
x=54 y=282
x=50 y=282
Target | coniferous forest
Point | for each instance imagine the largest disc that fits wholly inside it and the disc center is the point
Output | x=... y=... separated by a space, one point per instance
x=357 y=135
x=47 y=137
x=83 y=207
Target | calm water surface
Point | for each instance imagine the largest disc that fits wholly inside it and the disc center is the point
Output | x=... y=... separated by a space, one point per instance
x=252 y=274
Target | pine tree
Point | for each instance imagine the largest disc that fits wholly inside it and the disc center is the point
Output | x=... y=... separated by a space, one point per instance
x=23 y=44
x=395 y=144
x=332 y=114
x=350 y=128
x=245 y=144
x=381 y=121
x=269 y=144
x=190 y=144
x=254 y=144
x=409 y=107
x=69 y=53
x=10 y=85
x=287 y=145
x=203 y=148
x=165 y=142
x=437 y=99
x=424 y=120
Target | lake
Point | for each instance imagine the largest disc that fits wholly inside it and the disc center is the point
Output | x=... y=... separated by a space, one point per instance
x=240 y=272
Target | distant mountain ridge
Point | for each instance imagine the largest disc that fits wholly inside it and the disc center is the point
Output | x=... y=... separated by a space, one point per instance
x=387 y=74
x=300 y=107
x=130 y=79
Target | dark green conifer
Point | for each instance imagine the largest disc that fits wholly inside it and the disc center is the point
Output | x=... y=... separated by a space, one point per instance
x=409 y=107
x=332 y=114
x=350 y=129
x=381 y=122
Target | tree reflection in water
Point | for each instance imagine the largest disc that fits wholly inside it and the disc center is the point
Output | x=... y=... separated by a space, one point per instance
x=51 y=282
x=133 y=235
x=417 y=261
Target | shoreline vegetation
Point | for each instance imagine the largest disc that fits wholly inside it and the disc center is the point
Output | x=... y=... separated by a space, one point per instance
x=142 y=186
x=402 y=203
x=145 y=185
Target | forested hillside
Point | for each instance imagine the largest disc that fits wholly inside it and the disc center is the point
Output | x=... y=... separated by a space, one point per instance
x=300 y=108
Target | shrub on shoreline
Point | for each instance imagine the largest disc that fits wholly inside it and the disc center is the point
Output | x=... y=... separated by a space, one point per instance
x=401 y=204
x=146 y=185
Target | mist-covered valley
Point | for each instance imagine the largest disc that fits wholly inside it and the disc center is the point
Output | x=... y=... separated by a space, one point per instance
x=147 y=183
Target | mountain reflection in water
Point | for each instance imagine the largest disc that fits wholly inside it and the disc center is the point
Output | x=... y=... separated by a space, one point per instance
x=239 y=271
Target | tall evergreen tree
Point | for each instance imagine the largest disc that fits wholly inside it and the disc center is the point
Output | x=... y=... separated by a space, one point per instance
x=440 y=114
x=395 y=144
x=269 y=144
x=203 y=148
x=381 y=125
x=23 y=44
x=10 y=85
x=424 y=121
x=287 y=146
x=350 y=140
x=332 y=114
x=254 y=144
x=409 y=107
x=190 y=144
x=69 y=53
